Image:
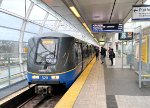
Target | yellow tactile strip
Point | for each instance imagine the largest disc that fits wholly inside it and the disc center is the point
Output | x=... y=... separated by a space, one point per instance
x=69 y=98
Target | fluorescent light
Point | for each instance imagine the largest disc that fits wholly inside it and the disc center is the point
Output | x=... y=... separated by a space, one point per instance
x=92 y=34
x=87 y=27
x=74 y=10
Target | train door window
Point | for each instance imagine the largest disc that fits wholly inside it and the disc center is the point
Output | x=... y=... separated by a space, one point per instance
x=47 y=51
x=87 y=51
x=79 y=53
x=85 y=54
x=76 y=52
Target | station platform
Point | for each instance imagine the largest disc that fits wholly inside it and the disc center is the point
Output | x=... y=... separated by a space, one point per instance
x=102 y=87
x=13 y=88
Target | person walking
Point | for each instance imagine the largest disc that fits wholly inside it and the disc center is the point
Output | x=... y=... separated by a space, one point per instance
x=111 y=56
x=103 y=54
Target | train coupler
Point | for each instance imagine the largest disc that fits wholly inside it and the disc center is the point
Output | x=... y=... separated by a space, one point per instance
x=44 y=90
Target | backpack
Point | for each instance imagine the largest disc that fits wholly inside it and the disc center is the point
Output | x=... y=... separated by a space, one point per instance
x=113 y=55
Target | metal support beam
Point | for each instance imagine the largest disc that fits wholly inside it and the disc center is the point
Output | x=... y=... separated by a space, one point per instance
x=21 y=38
x=1 y=2
x=112 y=10
x=43 y=23
x=140 y=59
x=122 y=55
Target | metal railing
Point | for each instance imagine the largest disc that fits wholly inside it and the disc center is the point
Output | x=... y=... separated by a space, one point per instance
x=10 y=69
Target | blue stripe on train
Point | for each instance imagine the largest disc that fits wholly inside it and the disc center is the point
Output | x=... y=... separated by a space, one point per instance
x=67 y=78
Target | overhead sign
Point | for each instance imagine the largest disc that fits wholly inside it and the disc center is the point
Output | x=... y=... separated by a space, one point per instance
x=107 y=27
x=125 y=36
x=141 y=12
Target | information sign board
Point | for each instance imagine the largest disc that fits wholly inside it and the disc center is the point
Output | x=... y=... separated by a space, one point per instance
x=125 y=36
x=107 y=27
x=141 y=12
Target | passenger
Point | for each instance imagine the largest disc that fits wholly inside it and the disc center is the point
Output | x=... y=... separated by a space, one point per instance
x=109 y=50
x=97 y=53
x=103 y=54
x=111 y=56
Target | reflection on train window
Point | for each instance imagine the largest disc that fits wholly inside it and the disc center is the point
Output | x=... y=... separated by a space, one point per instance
x=78 y=52
x=85 y=51
x=47 y=51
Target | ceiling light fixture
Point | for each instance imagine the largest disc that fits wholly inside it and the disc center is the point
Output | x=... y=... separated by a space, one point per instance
x=74 y=10
x=87 y=28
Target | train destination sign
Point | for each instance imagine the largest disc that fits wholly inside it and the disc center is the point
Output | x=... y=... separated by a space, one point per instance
x=141 y=12
x=107 y=27
x=125 y=36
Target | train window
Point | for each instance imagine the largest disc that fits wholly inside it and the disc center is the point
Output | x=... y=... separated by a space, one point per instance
x=79 y=53
x=85 y=51
x=47 y=51
x=76 y=52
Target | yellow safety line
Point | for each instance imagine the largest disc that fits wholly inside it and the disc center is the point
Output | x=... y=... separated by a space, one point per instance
x=69 y=98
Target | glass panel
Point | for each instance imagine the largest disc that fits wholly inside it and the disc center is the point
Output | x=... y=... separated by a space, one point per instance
x=9 y=34
x=37 y=14
x=10 y=21
x=28 y=2
x=45 y=30
x=32 y=28
x=47 y=51
x=24 y=56
x=14 y=69
x=8 y=57
x=27 y=36
x=62 y=26
x=51 y=21
x=15 y=6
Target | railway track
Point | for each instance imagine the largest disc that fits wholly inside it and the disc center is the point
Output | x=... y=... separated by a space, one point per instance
x=46 y=101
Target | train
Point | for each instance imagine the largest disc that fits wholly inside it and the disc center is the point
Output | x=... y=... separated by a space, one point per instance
x=56 y=59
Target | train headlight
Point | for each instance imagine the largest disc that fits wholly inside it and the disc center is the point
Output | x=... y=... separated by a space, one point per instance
x=35 y=77
x=55 y=77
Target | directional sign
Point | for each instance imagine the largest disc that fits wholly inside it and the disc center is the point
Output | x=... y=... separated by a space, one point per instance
x=141 y=12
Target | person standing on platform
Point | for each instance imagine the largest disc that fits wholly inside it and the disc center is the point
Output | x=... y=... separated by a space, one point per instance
x=111 y=56
x=103 y=54
x=97 y=53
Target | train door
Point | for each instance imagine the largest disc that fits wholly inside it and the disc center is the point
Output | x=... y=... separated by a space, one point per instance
x=79 y=58
x=84 y=55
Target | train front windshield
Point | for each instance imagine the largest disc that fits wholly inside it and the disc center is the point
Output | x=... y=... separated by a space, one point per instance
x=47 y=51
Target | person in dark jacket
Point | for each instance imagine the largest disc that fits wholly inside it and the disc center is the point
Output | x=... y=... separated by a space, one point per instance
x=97 y=52
x=111 y=56
x=103 y=54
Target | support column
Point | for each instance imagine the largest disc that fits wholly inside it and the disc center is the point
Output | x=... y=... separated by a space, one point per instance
x=1 y=2
x=43 y=23
x=21 y=37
